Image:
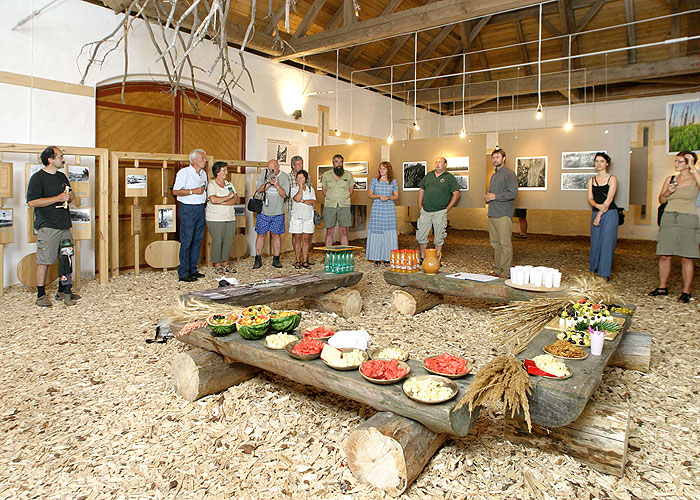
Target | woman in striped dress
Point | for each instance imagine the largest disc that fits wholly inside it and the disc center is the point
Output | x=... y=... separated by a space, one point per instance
x=382 y=235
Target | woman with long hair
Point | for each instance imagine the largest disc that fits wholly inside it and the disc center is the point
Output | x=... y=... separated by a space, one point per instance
x=679 y=231
x=604 y=217
x=382 y=235
x=220 y=216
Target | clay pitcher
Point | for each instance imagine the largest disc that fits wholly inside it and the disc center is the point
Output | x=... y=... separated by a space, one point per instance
x=431 y=263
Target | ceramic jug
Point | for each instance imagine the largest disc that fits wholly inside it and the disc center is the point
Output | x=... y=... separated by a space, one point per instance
x=431 y=263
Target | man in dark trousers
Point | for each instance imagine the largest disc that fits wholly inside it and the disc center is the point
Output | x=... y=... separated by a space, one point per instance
x=49 y=194
x=503 y=188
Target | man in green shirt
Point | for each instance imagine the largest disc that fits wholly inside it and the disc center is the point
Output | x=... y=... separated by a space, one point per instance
x=337 y=190
x=438 y=193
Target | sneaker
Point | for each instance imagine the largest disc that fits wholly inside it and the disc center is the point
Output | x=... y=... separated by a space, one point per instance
x=258 y=262
x=68 y=299
x=276 y=261
x=43 y=301
x=60 y=295
x=188 y=279
x=197 y=274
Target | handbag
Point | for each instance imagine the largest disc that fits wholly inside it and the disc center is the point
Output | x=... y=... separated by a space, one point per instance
x=317 y=218
x=620 y=216
x=662 y=207
x=255 y=204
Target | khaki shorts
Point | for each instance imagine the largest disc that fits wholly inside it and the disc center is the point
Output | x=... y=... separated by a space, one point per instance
x=337 y=215
x=437 y=221
x=48 y=243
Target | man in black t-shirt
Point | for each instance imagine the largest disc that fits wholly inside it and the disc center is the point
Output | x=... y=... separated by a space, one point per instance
x=49 y=194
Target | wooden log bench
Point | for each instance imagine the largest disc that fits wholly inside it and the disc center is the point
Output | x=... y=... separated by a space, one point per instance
x=440 y=418
x=493 y=291
x=319 y=287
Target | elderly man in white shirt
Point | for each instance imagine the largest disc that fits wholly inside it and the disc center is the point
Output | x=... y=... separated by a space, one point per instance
x=190 y=190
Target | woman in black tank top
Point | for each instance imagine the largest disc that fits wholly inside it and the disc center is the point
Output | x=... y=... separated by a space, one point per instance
x=604 y=217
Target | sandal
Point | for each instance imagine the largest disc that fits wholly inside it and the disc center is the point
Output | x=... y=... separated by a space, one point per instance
x=377 y=263
x=306 y=265
x=659 y=291
x=297 y=265
x=219 y=269
x=386 y=263
x=229 y=269
x=685 y=297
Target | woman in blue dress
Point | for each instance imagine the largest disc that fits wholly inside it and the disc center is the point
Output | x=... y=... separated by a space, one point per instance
x=382 y=235
x=604 y=217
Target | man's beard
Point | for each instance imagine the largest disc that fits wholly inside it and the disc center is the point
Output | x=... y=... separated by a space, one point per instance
x=338 y=170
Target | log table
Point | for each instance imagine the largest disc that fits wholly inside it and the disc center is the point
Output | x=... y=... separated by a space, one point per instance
x=494 y=291
x=440 y=418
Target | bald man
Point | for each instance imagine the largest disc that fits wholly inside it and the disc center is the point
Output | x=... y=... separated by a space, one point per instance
x=275 y=184
x=438 y=193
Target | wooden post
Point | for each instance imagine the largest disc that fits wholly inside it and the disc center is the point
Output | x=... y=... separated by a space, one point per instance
x=414 y=301
x=114 y=178
x=137 y=236
x=633 y=353
x=198 y=373
x=598 y=437
x=344 y=302
x=389 y=451
x=76 y=261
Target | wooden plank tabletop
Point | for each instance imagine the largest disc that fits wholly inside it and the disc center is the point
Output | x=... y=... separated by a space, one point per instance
x=495 y=291
x=556 y=403
x=276 y=289
x=350 y=384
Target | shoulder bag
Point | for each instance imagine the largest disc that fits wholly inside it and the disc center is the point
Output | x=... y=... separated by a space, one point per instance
x=662 y=207
x=620 y=216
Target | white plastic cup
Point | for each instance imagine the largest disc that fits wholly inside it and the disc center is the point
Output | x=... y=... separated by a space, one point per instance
x=547 y=279
x=527 y=272
x=512 y=274
x=536 y=277
x=556 y=279
x=597 y=340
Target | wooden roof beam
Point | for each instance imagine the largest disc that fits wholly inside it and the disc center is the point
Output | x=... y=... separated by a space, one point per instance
x=348 y=13
x=270 y=28
x=631 y=31
x=482 y=57
x=520 y=36
x=430 y=49
x=693 y=46
x=688 y=65
x=589 y=15
x=442 y=66
x=358 y=49
x=308 y=19
x=336 y=19
x=567 y=21
x=419 y=18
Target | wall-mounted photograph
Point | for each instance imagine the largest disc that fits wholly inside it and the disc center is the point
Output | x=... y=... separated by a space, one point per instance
x=683 y=126
x=5 y=217
x=136 y=182
x=360 y=183
x=413 y=173
x=165 y=218
x=575 y=181
x=320 y=170
x=7 y=231
x=532 y=173
x=463 y=181
x=239 y=210
x=80 y=215
x=78 y=173
x=360 y=168
x=578 y=159
x=457 y=164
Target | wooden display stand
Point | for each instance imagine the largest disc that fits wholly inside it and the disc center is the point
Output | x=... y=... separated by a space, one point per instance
x=101 y=193
x=6 y=232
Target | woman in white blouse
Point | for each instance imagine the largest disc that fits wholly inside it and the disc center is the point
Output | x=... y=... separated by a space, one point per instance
x=301 y=222
x=221 y=217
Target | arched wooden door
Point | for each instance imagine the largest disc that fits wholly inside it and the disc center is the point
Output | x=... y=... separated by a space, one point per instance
x=155 y=121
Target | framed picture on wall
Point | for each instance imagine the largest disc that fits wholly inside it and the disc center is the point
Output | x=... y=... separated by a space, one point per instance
x=575 y=181
x=81 y=219
x=79 y=178
x=360 y=183
x=6 y=183
x=683 y=126
x=578 y=159
x=531 y=172
x=136 y=183
x=413 y=173
x=165 y=218
x=6 y=226
x=463 y=181
x=458 y=164
x=320 y=170
x=360 y=168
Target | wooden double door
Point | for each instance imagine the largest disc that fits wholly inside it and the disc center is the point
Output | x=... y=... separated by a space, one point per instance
x=153 y=120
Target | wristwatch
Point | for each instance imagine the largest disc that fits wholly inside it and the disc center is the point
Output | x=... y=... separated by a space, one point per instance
x=190 y=191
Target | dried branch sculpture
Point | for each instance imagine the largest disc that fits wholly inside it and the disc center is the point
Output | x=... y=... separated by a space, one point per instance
x=204 y=19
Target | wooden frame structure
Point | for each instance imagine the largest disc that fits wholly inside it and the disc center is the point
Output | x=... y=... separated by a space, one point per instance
x=101 y=192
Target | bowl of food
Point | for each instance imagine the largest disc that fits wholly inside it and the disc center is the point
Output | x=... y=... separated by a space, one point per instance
x=254 y=326
x=547 y=366
x=446 y=365
x=389 y=352
x=279 y=341
x=320 y=333
x=563 y=349
x=429 y=389
x=343 y=359
x=384 y=371
x=304 y=349
x=255 y=310
x=222 y=324
x=285 y=321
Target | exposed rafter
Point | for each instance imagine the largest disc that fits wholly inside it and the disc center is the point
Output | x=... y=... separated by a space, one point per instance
x=358 y=49
x=430 y=49
x=308 y=18
x=631 y=31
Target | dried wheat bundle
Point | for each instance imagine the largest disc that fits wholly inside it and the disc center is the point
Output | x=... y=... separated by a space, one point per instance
x=189 y=309
x=502 y=380
x=522 y=321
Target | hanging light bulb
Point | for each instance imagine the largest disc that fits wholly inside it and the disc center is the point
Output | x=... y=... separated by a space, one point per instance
x=538 y=113
x=416 y=126
x=606 y=131
x=390 y=139
x=568 y=126
x=337 y=132
x=462 y=133
x=350 y=141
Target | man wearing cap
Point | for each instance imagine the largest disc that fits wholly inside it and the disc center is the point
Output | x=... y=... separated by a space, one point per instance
x=49 y=193
x=190 y=190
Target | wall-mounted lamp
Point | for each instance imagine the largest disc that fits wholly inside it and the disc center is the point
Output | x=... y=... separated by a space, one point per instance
x=296 y=114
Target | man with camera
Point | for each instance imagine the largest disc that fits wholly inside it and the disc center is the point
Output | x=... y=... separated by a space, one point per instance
x=275 y=184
